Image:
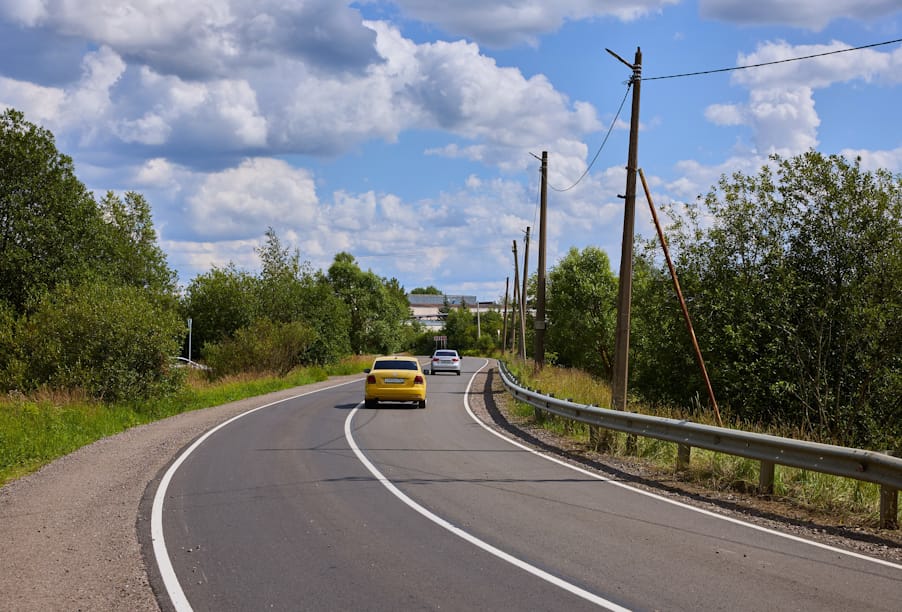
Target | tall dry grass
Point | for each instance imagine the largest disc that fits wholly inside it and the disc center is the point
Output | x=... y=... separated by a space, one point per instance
x=847 y=500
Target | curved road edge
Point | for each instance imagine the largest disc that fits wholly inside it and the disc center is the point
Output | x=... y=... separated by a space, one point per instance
x=68 y=532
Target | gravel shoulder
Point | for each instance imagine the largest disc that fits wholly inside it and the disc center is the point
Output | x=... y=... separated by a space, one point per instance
x=69 y=532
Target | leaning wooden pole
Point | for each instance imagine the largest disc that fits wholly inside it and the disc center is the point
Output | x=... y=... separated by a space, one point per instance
x=679 y=292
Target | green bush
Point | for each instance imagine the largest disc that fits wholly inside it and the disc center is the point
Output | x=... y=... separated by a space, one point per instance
x=264 y=346
x=113 y=342
x=12 y=365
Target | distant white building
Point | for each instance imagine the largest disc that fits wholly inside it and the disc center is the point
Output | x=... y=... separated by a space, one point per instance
x=427 y=309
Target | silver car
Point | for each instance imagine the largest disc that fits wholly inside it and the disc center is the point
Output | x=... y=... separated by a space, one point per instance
x=445 y=360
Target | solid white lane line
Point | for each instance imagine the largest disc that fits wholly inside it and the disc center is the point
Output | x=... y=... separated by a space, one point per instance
x=167 y=572
x=523 y=565
x=679 y=504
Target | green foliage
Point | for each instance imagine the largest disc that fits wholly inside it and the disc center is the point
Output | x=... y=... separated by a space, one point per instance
x=13 y=360
x=328 y=316
x=52 y=231
x=430 y=290
x=111 y=341
x=460 y=328
x=129 y=245
x=279 y=286
x=219 y=303
x=377 y=307
x=662 y=365
x=490 y=324
x=264 y=346
x=581 y=311
x=49 y=222
x=288 y=291
x=86 y=296
x=794 y=283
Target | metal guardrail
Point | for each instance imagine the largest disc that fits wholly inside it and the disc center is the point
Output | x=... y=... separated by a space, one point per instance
x=869 y=466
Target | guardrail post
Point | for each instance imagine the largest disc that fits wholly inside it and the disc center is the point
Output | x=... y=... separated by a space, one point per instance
x=889 y=504
x=889 y=508
x=632 y=445
x=538 y=414
x=683 y=453
x=601 y=439
x=766 y=478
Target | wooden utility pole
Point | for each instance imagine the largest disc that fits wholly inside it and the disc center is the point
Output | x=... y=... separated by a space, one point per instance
x=507 y=284
x=625 y=285
x=523 y=299
x=516 y=304
x=540 y=284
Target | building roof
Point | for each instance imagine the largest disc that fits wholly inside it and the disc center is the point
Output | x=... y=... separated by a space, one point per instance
x=420 y=299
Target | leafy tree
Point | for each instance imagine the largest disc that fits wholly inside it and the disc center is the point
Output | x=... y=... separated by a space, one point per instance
x=49 y=222
x=581 y=311
x=846 y=305
x=288 y=291
x=113 y=341
x=430 y=290
x=86 y=297
x=794 y=289
x=219 y=303
x=279 y=285
x=661 y=362
x=328 y=316
x=263 y=346
x=131 y=248
x=378 y=308
x=13 y=359
x=490 y=323
x=399 y=331
x=460 y=328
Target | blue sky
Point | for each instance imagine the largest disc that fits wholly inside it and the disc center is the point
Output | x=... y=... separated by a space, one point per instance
x=403 y=132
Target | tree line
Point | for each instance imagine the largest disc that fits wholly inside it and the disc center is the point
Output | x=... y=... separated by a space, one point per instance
x=793 y=278
x=89 y=302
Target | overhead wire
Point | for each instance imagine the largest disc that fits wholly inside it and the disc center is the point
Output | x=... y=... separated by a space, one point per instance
x=782 y=61
x=703 y=72
x=603 y=142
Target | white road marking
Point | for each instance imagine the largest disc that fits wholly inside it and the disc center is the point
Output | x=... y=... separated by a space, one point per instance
x=535 y=571
x=167 y=573
x=722 y=517
x=180 y=601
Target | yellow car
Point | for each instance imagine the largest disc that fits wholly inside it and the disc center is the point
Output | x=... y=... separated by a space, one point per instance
x=395 y=379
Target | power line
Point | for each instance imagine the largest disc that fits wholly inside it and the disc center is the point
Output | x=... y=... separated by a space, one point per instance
x=603 y=142
x=782 y=61
x=702 y=72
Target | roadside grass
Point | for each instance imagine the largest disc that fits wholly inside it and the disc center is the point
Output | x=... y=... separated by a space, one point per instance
x=846 y=500
x=41 y=427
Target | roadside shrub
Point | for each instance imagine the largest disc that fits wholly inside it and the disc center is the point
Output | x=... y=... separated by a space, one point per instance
x=12 y=367
x=114 y=342
x=264 y=346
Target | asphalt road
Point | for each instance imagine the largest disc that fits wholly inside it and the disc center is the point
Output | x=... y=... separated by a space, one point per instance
x=315 y=503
